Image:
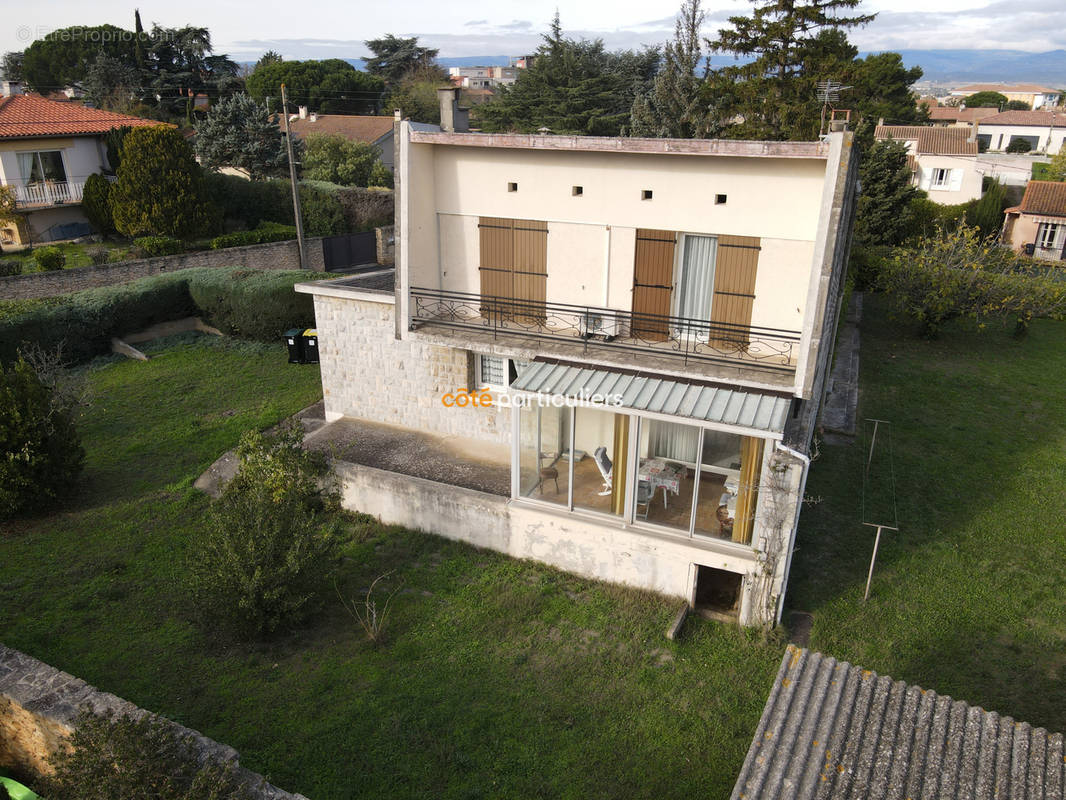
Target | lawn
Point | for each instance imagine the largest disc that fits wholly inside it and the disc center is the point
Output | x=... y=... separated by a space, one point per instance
x=967 y=598
x=499 y=678
x=77 y=255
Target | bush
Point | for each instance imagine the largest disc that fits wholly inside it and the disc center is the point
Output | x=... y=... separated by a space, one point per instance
x=37 y=433
x=151 y=246
x=380 y=175
x=322 y=212
x=1019 y=145
x=98 y=255
x=986 y=214
x=245 y=204
x=49 y=258
x=10 y=266
x=252 y=303
x=264 y=232
x=96 y=203
x=266 y=550
x=111 y=756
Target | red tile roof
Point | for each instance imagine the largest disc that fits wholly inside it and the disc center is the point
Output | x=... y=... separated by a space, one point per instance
x=26 y=115
x=356 y=128
x=1040 y=119
x=1006 y=88
x=1043 y=197
x=931 y=140
x=947 y=113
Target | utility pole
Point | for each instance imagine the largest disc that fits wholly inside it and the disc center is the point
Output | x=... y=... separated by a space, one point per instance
x=292 y=179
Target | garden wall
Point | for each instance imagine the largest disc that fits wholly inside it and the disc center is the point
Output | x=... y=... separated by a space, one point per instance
x=275 y=255
x=38 y=706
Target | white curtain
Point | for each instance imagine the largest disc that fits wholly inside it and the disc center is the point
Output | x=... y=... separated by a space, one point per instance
x=673 y=441
x=697 y=277
x=26 y=165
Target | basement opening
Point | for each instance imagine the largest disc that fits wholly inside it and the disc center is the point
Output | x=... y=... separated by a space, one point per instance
x=718 y=593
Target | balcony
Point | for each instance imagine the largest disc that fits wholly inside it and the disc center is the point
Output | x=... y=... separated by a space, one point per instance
x=617 y=336
x=41 y=195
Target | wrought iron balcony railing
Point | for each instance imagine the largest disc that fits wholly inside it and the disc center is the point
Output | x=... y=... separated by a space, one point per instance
x=608 y=329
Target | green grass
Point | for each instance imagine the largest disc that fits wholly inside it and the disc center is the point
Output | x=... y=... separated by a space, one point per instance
x=967 y=598
x=499 y=678
x=77 y=254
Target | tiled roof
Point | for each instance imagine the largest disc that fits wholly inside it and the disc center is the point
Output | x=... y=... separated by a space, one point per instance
x=27 y=115
x=356 y=128
x=1003 y=88
x=1042 y=119
x=1044 y=197
x=931 y=140
x=833 y=731
x=941 y=113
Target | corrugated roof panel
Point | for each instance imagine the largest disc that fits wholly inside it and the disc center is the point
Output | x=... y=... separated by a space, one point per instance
x=831 y=730
x=660 y=395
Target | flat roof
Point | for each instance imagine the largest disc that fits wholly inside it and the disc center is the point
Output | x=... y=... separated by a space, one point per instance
x=622 y=144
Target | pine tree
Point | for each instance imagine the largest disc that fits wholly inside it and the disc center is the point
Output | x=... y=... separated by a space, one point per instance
x=239 y=132
x=675 y=107
x=883 y=215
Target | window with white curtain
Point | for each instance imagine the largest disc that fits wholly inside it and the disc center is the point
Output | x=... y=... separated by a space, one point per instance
x=696 y=280
x=41 y=166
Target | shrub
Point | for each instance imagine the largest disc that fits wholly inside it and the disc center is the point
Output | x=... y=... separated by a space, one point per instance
x=49 y=258
x=986 y=214
x=1019 y=145
x=334 y=158
x=96 y=203
x=38 y=436
x=264 y=232
x=151 y=246
x=251 y=303
x=322 y=212
x=10 y=266
x=380 y=175
x=266 y=550
x=111 y=756
x=244 y=203
x=366 y=208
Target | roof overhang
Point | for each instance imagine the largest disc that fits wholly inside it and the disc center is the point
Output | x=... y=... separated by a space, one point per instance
x=755 y=413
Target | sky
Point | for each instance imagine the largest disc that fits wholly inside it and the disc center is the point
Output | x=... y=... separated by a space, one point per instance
x=338 y=28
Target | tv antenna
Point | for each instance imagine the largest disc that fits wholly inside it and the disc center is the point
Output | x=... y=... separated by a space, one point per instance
x=828 y=93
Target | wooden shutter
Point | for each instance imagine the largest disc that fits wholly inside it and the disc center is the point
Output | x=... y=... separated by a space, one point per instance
x=653 y=283
x=530 y=269
x=734 y=289
x=496 y=265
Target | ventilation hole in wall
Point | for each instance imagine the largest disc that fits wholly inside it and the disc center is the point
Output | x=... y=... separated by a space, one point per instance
x=719 y=199
x=645 y=194
x=512 y=187
x=577 y=191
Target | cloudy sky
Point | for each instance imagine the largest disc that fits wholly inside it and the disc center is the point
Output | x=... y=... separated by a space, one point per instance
x=332 y=28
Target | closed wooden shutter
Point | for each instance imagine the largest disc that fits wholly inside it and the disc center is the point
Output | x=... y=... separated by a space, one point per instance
x=513 y=267
x=653 y=283
x=734 y=289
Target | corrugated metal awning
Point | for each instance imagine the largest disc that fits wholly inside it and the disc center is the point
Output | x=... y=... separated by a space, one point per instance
x=676 y=398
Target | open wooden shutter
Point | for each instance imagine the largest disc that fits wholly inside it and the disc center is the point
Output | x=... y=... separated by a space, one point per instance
x=734 y=289
x=530 y=269
x=496 y=265
x=653 y=283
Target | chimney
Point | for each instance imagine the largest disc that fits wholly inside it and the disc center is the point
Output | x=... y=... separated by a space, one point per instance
x=303 y=112
x=453 y=118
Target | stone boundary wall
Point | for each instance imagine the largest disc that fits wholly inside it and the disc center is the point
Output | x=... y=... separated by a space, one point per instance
x=38 y=706
x=273 y=255
x=386 y=242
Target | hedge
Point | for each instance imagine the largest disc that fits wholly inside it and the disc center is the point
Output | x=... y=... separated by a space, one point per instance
x=264 y=233
x=250 y=303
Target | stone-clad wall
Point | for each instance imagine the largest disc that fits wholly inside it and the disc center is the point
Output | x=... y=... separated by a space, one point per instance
x=367 y=373
x=38 y=707
x=275 y=255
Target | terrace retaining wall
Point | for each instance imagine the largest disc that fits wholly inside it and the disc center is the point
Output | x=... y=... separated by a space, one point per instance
x=39 y=705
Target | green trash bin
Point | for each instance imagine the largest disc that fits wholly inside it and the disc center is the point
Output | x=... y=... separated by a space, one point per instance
x=294 y=341
x=310 y=346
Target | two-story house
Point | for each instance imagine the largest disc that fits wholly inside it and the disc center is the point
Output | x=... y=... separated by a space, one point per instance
x=47 y=150
x=635 y=332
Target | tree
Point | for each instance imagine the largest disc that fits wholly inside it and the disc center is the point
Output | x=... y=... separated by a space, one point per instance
x=572 y=87
x=239 y=132
x=11 y=65
x=882 y=215
x=335 y=159
x=395 y=57
x=159 y=190
x=96 y=203
x=64 y=56
x=331 y=86
x=113 y=142
x=675 y=107
x=1056 y=170
x=111 y=83
x=773 y=93
x=269 y=57
x=986 y=100
x=986 y=214
x=267 y=546
x=1019 y=144
x=182 y=65
x=881 y=89
x=38 y=435
x=416 y=95
x=1018 y=105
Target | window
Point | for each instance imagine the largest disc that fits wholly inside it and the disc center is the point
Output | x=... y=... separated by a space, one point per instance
x=512 y=187
x=645 y=194
x=941 y=178
x=577 y=191
x=497 y=372
x=720 y=199
x=38 y=167
x=1049 y=236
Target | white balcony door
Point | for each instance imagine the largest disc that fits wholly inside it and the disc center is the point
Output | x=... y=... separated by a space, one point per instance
x=695 y=283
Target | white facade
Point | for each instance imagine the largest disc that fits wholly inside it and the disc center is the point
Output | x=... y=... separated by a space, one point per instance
x=1044 y=139
x=777 y=215
x=949 y=179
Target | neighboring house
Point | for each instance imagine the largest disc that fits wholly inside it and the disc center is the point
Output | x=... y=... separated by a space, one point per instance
x=371 y=130
x=834 y=731
x=47 y=150
x=1044 y=131
x=1037 y=226
x=482 y=77
x=943 y=160
x=1035 y=96
x=960 y=116
x=654 y=319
